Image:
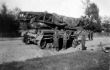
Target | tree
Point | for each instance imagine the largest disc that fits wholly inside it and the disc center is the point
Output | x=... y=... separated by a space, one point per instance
x=16 y=11
x=86 y=3
x=91 y=9
x=7 y=21
x=106 y=23
x=4 y=9
x=92 y=12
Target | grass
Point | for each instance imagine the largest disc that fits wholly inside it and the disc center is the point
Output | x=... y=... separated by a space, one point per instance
x=71 y=61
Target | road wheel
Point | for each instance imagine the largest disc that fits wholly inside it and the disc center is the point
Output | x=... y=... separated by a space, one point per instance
x=43 y=44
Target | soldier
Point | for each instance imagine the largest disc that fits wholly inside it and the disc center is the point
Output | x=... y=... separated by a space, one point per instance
x=89 y=34
x=56 y=39
x=24 y=34
x=62 y=31
x=65 y=38
x=61 y=38
x=83 y=41
x=26 y=38
x=69 y=41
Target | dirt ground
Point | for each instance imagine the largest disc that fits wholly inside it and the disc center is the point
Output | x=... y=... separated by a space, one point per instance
x=15 y=50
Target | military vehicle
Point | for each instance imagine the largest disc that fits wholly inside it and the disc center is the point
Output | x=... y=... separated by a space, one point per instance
x=43 y=28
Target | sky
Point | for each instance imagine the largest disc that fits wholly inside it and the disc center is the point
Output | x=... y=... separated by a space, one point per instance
x=70 y=8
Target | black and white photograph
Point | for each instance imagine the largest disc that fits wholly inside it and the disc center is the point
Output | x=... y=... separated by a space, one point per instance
x=54 y=34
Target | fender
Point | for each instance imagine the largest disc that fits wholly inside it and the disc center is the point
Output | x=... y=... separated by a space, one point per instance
x=38 y=39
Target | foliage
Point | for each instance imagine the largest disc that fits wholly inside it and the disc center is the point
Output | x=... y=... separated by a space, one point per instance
x=92 y=13
x=86 y=3
x=8 y=24
x=4 y=9
x=106 y=24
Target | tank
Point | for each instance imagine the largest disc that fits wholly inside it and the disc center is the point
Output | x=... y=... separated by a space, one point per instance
x=43 y=29
x=45 y=36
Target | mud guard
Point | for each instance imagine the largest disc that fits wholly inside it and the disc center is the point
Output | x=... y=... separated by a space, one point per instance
x=38 y=39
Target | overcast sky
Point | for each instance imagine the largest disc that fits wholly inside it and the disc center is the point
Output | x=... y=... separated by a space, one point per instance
x=71 y=8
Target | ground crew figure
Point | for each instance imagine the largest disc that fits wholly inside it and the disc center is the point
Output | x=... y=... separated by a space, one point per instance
x=74 y=43
x=69 y=41
x=61 y=38
x=65 y=38
x=89 y=34
x=83 y=41
x=56 y=40
x=61 y=33
x=25 y=36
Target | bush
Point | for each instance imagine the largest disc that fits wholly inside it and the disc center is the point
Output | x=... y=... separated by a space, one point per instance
x=8 y=24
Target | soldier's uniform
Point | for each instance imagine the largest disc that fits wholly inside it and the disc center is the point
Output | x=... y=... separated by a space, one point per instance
x=91 y=35
x=56 y=40
x=69 y=41
x=83 y=41
x=65 y=38
x=61 y=38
